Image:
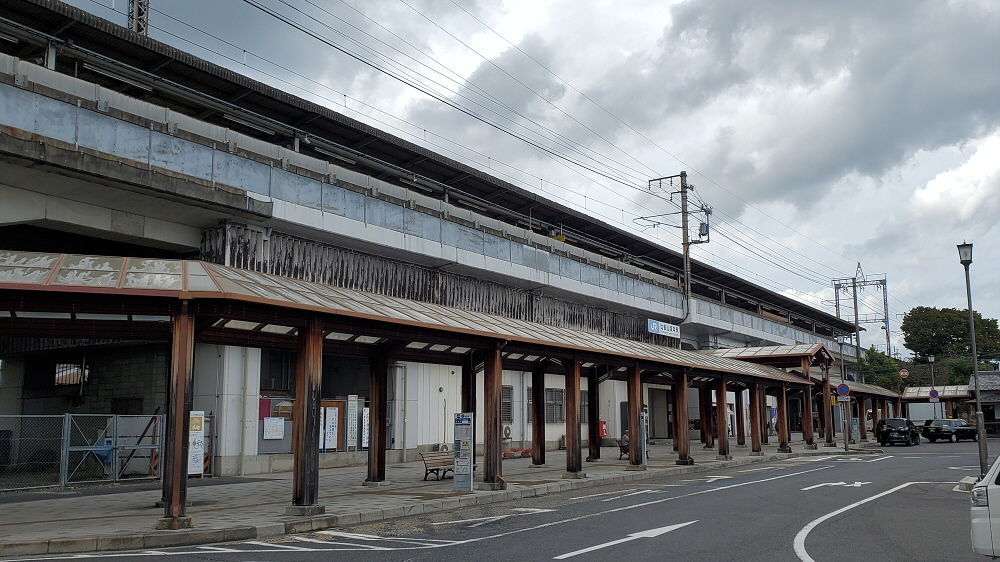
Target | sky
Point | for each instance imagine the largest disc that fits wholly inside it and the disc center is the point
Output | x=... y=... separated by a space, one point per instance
x=823 y=135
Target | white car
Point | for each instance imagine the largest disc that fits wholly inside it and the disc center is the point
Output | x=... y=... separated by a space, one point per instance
x=985 y=498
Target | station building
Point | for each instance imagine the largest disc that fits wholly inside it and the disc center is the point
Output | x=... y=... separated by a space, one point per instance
x=165 y=219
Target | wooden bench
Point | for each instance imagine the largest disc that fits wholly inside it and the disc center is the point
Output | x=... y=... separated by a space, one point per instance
x=438 y=462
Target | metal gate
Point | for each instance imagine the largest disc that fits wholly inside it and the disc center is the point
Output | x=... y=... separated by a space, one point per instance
x=49 y=451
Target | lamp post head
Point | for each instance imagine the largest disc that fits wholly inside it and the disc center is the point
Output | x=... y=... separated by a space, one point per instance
x=930 y=358
x=965 y=253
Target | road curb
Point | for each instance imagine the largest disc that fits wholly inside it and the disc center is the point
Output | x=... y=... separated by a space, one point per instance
x=187 y=537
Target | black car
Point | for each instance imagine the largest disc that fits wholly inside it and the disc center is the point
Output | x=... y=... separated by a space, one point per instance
x=897 y=430
x=950 y=430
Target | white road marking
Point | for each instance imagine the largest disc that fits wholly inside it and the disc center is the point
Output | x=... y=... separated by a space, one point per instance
x=963 y=468
x=860 y=460
x=913 y=457
x=844 y=484
x=466 y=541
x=651 y=533
x=756 y=469
x=484 y=520
x=627 y=495
x=218 y=549
x=708 y=479
x=799 y=544
x=603 y=494
x=282 y=546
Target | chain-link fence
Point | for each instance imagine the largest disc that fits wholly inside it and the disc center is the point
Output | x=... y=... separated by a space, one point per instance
x=48 y=451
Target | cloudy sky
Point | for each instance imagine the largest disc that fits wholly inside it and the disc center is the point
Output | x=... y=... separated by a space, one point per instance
x=823 y=135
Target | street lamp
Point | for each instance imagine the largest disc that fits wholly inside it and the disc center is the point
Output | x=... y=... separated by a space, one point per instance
x=965 y=257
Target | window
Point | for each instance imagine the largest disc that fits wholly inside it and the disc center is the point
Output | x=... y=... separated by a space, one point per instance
x=554 y=399
x=277 y=371
x=584 y=407
x=506 y=404
x=71 y=373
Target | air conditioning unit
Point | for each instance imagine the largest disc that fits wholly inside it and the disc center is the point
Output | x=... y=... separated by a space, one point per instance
x=506 y=432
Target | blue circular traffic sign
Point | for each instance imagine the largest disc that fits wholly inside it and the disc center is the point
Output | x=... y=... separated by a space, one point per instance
x=843 y=389
x=935 y=393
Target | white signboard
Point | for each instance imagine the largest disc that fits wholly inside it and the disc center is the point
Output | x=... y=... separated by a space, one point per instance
x=352 y=421
x=463 y=479
x=330 y=427
x=663 y=328
x=196 y=443
x=365 y=428
x=321 y=433
x=274 y=428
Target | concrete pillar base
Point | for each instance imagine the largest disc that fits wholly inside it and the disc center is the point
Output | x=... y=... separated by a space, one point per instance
x=811 y=446
x=723 y=457
x=538 y=466
x=744 y=446
x=635 y=467
x=491 y=486
x=707 y=446
x=785 y=449
x=574 y=475
x=305 y=510
x=375 y=484
x=829 y=444
x=593 y=459
x=173 y=523
x=756 y=453
x=852 y=442
x=684 y=462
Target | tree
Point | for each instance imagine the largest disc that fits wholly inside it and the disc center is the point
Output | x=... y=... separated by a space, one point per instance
x=944 y=332
x=880 y=369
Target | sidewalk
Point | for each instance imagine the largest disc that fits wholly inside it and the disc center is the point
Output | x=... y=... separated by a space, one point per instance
x=124 y=518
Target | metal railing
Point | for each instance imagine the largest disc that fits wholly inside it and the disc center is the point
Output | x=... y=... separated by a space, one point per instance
x=58 y=450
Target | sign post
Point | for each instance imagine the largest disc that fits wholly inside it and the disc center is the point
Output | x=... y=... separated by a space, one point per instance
x=196 y=443
x=844 y=397
x=464 y=452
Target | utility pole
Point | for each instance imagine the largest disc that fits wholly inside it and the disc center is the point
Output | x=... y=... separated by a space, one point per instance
x=653 y=221
x=857 y=328
x=138 y=16
x=859 y=282
x=686 y=244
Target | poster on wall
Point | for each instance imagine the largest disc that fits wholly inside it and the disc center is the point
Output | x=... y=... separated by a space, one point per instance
x=332 y=427
x=274 y=428
x=352 y=421
x=321 y=433
x=365 y=428
x=196 y=443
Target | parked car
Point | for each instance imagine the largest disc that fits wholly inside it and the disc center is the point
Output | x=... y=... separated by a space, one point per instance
x=897 y=430
x=948 y=430
x=985 y=498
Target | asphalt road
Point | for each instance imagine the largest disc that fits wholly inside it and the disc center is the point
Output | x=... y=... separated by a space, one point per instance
x=897 y=506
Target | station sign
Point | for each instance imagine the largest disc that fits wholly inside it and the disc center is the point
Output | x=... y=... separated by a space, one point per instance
x=663 y=328
x=464 y=452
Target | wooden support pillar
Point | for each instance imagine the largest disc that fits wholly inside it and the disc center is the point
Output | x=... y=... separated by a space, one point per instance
x=634 y=391
x=862 y=418
x=875 y=417
x=378 y=383
x=807 y=418
x=741 y=437
x=827 y=409
x=593 y=416
x=574 y=447
x=703 y=427
x=538 y=416
x=764 y=418
x=722 y=420
x=783 y=421
x=681 y=436
x=492 y=388
x=885 y=408
x=673 y=415
x=305 y=421
x=472 y=360
x=705 y=397
x=755 y=417
x=175 y=449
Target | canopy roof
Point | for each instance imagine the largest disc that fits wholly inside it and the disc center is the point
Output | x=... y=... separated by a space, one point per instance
x=190 y=279
x=777 y=355
x=924 y=392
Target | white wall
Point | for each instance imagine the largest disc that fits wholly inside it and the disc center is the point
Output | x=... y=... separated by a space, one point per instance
x=220 y=373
